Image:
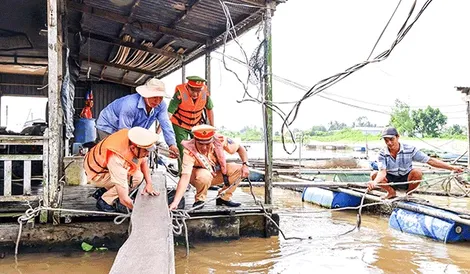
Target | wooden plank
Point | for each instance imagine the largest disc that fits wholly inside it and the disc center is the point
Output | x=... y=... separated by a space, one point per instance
x=149 y=248
x=27 y=178
x=21 y=157
x=19 y=198
x=116 y=17
x=21 y=140
x=7 y=178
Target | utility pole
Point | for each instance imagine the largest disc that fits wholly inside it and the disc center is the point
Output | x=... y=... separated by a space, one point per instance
x=465 y=91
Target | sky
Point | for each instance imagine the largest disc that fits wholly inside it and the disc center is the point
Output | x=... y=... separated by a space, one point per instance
x=313 y=40
x=20 y=110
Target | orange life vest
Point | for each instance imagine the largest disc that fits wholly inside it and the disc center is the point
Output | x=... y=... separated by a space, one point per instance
x=96 y=160
x=189 y=112
x=202 y=160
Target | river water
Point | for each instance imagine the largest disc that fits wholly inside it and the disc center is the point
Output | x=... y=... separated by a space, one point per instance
x=376 y=248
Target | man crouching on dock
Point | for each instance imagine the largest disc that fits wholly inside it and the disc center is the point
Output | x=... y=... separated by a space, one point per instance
x=204 y=165
x=395 y=165
x=119 y=162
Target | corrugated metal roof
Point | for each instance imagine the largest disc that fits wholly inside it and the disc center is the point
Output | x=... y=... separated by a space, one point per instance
x=185 y=25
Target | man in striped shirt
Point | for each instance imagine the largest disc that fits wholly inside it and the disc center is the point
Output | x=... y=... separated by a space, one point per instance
x=395 y=165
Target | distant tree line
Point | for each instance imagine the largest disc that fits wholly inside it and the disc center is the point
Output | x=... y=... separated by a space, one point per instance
x=428 y=122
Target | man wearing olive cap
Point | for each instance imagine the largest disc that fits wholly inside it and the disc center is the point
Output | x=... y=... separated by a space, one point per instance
x=395 y=165
x=112 y=162
x=204 y=165
x=186 y=109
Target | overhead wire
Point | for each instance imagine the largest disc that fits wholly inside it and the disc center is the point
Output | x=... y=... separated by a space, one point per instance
x=324 y=83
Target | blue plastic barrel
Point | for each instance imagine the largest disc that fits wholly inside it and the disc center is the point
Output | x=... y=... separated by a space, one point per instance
x=421 y=224
x=328 y=198
x=85 y=130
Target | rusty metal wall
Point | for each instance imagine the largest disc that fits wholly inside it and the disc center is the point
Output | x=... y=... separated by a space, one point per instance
x=103 y=94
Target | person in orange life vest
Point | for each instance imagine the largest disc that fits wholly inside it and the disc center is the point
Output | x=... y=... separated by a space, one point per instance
x=204 y=165
x=86 y=111
x=112 y=162
x=186 y=109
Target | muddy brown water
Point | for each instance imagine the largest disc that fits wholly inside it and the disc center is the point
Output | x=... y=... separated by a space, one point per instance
x=376 y=248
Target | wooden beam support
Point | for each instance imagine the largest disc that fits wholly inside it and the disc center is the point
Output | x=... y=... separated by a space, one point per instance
x=109 y=64
x=135 y=46
x=116 y=17
x=267 y=88
x=54 y=53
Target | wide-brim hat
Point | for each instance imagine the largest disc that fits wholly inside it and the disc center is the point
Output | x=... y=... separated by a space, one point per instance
x=196 y=81
x=143 y=138
x=153 y=88
x=204 y=134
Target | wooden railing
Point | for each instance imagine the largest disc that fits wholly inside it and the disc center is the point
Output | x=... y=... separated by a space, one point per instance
x=7 y=158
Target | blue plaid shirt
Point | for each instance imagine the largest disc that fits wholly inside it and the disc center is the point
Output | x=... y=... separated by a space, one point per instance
x=402 y=165
x=129 y=111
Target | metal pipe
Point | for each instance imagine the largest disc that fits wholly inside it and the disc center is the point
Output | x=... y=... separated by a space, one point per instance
x=183 y=71
x=208 y=69
x=412 y=207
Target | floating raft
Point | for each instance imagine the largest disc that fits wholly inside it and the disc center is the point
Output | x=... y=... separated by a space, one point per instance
x=427 y=220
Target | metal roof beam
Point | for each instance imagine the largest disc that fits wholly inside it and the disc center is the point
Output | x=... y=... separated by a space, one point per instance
x=112 y=80
x=116 y=17
x=260 y=3
x=109 y=64
x=131 y=45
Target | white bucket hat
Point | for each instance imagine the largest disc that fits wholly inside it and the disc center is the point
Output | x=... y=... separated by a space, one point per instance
x=153 y=88
x=143 y=138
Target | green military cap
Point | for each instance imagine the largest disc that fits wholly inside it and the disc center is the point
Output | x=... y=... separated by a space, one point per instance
x=196 y=81
x=196 y=78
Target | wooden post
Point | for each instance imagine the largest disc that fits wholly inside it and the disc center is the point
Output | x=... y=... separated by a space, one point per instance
x=268 y=114
x=45 y=168
x=54 y=54
x=465 y=91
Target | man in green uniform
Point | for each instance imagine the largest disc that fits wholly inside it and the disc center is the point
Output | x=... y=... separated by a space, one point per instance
x=187 y=107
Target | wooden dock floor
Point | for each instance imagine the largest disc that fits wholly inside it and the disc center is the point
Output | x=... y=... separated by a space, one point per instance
x=79 y=197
